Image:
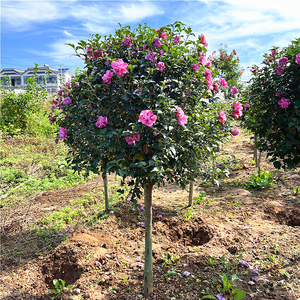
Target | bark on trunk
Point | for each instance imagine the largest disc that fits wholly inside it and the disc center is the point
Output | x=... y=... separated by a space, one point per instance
x=105 y=191
x=191 y=193
x=148 y=271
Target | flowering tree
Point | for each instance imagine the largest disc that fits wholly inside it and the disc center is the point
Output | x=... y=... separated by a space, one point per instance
x=273 y=104
x=227 y=66
x=140 y=111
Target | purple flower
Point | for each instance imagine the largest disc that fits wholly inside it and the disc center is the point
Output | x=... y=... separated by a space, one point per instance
x=185 y=265
x=243 y=263
x=221 y=297
x=53 y=234
x=176 y=39
x=281 y=282
x=138 y=223
x=128 y=199
x=60 y=234
x=140 y=265
x=141 y=208
x=97 y=263
x=279 y=70
x=142 y=223
x=156 y=42
x=255 y=272
x=138 y=259
x=255 y=278
x=70 y=230
x=111 y=212
x=77 y=291
x=133 y=209
x=186 y=274
x=159 y=216
x=141 y=213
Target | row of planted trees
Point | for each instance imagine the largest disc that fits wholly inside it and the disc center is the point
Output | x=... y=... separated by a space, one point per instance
x=141 y=110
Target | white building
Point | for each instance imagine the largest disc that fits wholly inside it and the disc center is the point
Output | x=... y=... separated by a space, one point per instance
x=53 y=78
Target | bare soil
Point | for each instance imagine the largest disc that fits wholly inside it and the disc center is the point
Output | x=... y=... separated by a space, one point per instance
x=231 y=223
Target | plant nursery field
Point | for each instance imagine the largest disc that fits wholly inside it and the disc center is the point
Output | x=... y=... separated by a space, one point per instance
x=54 y=226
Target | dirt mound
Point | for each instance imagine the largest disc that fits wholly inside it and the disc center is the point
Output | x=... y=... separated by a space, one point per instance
x=290 y=217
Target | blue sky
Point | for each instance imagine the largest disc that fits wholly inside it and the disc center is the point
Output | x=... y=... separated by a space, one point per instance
x=36 y=31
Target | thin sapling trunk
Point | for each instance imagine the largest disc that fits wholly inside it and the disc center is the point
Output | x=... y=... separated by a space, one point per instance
x=191 y=193
x=105 y=191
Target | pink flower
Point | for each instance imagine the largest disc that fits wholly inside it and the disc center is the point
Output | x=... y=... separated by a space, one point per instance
x=147 y=117
x=279 y=70
x=62 y=133
x=101 y=122
x=207 y=73
x=222 y=117
x=182 y=118
x=254 y=70
x=274 y=52
x=126 y=41
x=297 y=60
x=233 y=90
x=278 y=94
x=161 y=52
x=107 y=77
x=51 y=120
x=247 y=106
x=132 y=139
x=119 y=67
x=161 y=33
x=209 y=64
x=195 y=67
x=235 y=132
x=223 y=82
x=68 y=84
x=67 y=101
x=156 y=42
x=97 y=54
x=209 y=83
x=283 y=61
x=284 y=103
x=160 y=66
x=52 y=107
x=203 y=40
x=203 y=60
x=176 y=39
x=151 y=56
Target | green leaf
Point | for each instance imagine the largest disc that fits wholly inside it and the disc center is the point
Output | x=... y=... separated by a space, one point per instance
x=240 y=295
x=209 y=297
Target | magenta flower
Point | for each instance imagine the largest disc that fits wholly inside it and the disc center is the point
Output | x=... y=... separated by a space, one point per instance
x=70 y=230
x=203 y=40
x=235 y=132
x=223 y=82
x=247 y=106
x=278 y=94
x=284 y=103
x=107 y=76
x=52 y=107
x=156 y=42
x=161 y=52
x=126 y=41
x=176 y=39
x=297 y=60
x=56 y=141
x=151 y=56
x=147 y=117
x=222 y=117
x=101 y=122
x=202 y=60
x=51 y=120
x=140 y=265
x=67 y=101
x=161 y=33
x=233 y=90
x=62 y=133
x=283 y=61
x=279 y=70
x=274 y=52
x=253 y=70
x=160 y=66
x=132 y=139
x=119 y=67
x=195 y=67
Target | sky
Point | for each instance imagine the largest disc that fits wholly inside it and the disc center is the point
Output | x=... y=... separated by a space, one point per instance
x=36 y=31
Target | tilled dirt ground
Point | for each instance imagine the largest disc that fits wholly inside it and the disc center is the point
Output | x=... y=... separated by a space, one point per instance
x=231 y=224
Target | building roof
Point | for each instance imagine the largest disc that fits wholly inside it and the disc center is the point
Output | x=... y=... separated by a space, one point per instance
x=29 y=71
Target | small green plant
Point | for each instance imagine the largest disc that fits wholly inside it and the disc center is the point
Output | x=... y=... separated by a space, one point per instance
x=59 y=287
x=169 y=259
x=296 y=190
x=212 y=261
x=200 y=198
x=172 y=272
x=188 y=215
x=227 y=291
x=260 y=182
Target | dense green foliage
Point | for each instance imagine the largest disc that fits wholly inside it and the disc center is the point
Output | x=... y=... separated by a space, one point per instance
x=273 y=97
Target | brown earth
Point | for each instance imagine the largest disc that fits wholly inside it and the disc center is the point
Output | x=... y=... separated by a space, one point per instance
x=231 y=223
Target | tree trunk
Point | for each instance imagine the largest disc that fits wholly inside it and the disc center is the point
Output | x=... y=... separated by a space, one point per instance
x=255 y=151
x=191 y=192
x=105 y=191
x=148 y=272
